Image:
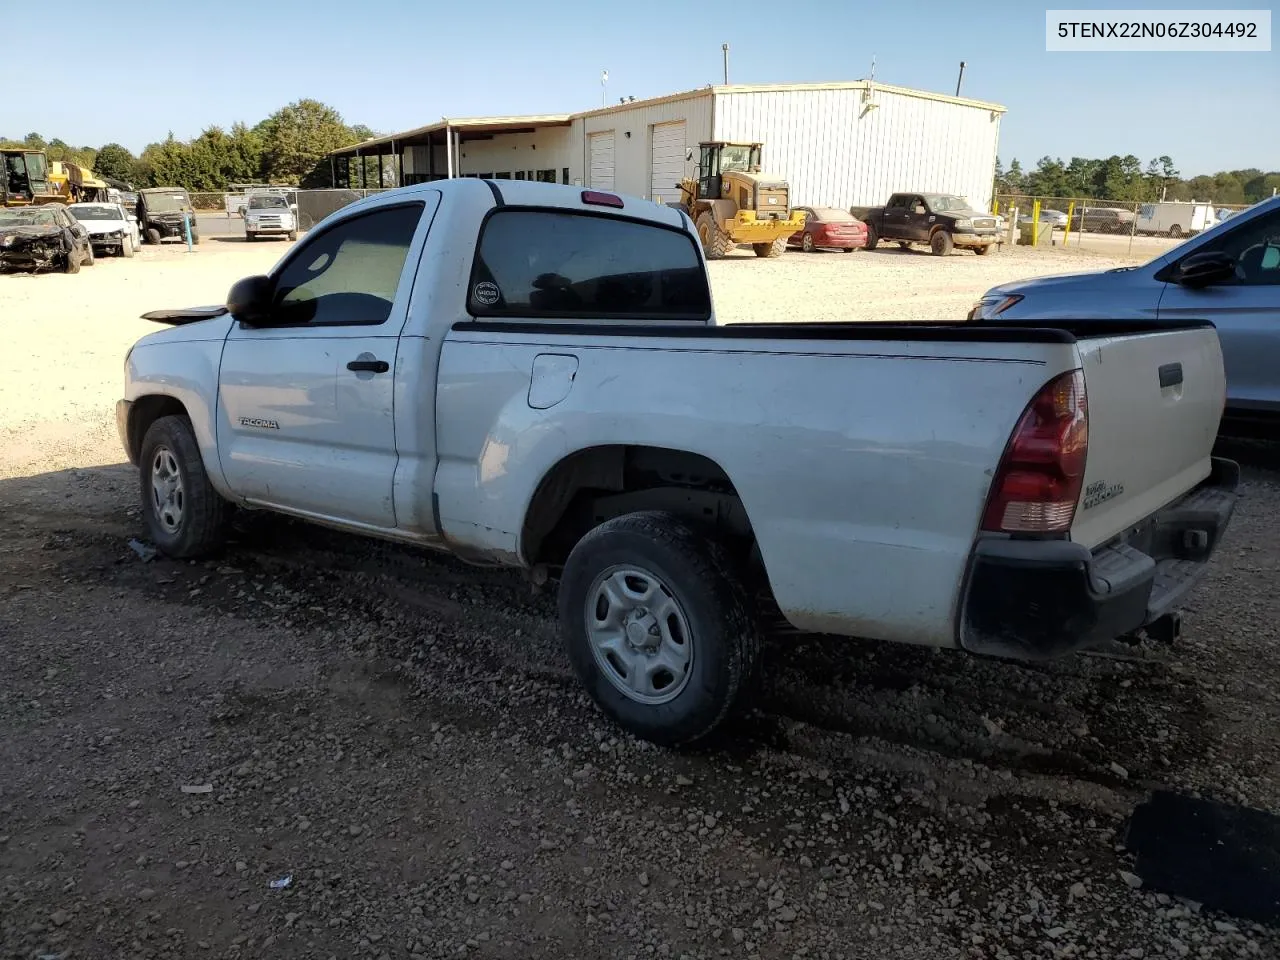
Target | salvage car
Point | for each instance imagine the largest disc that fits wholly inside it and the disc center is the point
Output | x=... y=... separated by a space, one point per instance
x=110 y=227
x=941 y=220
x=1228 y=275
x=162 y=213
x=46 y=237
x=831 y=228
x=470 y=365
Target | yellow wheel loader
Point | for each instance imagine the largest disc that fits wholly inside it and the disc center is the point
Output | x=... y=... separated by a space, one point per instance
x=24 y=178
x=732 y=203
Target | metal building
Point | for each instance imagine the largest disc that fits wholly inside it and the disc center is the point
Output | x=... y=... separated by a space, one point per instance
x=838 y=144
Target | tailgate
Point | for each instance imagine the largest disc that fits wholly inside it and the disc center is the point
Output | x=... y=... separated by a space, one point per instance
x=1155 y=401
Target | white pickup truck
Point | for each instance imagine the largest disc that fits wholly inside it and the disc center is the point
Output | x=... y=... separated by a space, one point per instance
x=533 y=375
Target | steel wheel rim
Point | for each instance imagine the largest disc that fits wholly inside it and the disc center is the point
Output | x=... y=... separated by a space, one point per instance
x=168 y=498
x=639 y=634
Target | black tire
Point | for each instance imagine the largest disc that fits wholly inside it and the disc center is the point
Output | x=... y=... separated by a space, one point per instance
x=873 y=238
x=89 y=259
x=293 y=235
x=250 y=237
x=806 y=243
x=126 y=246
x=723 y=634
x=200 y=528
x=195 y=238
x=904 y=245
x=940 y=243
x=153 y=235
x=715 y=242
x=72 y=264
x=773 y=249
x=1175 y=231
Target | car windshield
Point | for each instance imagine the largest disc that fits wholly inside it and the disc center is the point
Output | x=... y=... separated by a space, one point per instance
x=944 y=202
x=167 y=202
x=92 y=211
x=832 y=214
x=27 y=216
x=735 y=159
x=267 y=203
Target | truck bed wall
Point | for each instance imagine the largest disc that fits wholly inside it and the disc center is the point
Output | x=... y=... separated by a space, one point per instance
x=863 y=465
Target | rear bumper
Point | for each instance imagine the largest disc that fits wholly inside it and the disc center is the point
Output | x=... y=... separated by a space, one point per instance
x=1038 y=599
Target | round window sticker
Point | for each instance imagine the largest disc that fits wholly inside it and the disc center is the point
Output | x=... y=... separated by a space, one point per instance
x=486 y=293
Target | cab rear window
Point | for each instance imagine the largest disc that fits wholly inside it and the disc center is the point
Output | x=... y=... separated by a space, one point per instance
x=581 y=266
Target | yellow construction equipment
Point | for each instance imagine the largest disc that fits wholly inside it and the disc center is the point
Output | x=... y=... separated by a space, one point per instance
x=74 y=184
x=732 y=202
x=24 y=178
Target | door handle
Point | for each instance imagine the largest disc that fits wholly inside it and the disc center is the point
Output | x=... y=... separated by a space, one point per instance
x=373 y=366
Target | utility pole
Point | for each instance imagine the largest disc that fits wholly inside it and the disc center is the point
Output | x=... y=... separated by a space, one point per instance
x=724 y=48
x=604 y=93
x=960 y=79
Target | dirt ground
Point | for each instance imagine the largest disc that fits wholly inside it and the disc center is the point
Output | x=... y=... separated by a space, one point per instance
x=399 y=737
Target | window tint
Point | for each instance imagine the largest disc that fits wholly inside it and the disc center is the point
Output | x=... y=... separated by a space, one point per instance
x=538 y=263
x=348 y=274
x=1256 y=247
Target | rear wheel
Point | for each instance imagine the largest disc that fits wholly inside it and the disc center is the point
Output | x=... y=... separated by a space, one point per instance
x=873 y=238
x=716 y=244
x=807 y=243
x=774 y=249
x=185 y=516
x=940 y=243
x=658 y=626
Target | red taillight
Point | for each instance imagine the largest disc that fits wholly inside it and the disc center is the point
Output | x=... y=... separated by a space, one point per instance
x=601 y=199
x=1038 y=484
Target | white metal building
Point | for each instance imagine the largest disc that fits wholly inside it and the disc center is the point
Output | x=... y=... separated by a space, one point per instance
x=838 y=144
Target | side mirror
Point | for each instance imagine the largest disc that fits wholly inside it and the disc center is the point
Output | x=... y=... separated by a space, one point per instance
x=250 y=300
x=1206 y=269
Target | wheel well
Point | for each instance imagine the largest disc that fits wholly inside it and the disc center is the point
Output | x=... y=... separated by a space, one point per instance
x=593 y=485
x=146 y=411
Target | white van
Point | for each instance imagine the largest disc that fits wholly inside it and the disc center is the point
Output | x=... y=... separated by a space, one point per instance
x=1176 y=218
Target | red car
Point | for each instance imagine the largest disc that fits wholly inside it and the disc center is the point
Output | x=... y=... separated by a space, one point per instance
x=829 y=227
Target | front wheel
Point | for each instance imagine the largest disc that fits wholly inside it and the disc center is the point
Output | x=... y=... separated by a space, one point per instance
x=126 y=246
x=716 y=244
x=293 y=235
x=940 y=243
x=89 y=260
x=658 y=626
x=72 y=263
x=153 y=235
x=185 y=516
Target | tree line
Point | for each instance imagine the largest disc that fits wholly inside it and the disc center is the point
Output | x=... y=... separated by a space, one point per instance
x=288 y=147
x=1125 y=179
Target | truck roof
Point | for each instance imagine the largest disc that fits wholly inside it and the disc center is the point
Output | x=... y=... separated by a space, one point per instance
x=531 y=193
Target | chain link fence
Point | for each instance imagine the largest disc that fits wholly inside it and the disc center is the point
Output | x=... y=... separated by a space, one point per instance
x=1106 y=226
x=222 y=212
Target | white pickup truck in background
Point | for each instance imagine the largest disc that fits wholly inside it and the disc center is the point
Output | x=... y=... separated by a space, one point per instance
x=533 y=375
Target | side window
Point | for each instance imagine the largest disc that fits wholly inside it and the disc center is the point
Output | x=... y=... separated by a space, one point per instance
x=349 y=274
x=1256 y=247
x=563 y=265
x=897 y=202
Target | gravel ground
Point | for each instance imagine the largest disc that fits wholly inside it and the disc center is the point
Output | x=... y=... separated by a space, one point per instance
x=400 y=734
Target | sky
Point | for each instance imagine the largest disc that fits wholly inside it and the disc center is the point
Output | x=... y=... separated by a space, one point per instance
x=398 y=64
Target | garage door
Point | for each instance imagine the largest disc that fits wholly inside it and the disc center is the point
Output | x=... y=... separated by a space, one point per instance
x=667 y=162
x=602 y=160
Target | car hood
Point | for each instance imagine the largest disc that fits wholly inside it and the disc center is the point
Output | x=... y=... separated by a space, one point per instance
x=1081 y=282
x=187 y=325
x=103 y=226
x=30 y=230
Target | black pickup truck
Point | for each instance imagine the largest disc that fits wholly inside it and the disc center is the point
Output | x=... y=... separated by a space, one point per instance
x=941 y=220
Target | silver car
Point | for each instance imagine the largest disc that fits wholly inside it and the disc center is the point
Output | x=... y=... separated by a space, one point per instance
x=1229 y=275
